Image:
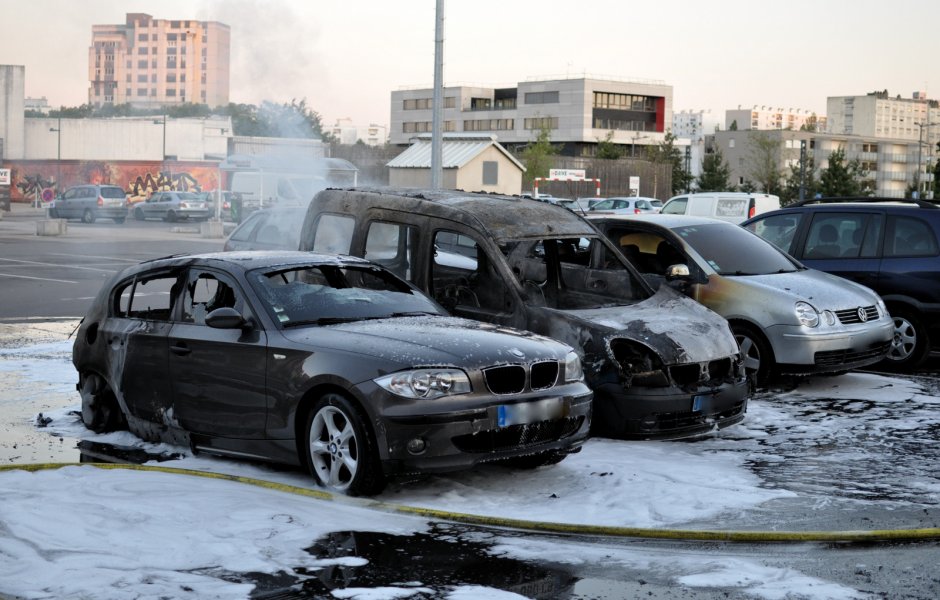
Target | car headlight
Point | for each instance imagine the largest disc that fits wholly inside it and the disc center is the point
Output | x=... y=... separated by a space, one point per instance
x=573 y=370
x=806 y=314
x=882 y=308
x=426 y=383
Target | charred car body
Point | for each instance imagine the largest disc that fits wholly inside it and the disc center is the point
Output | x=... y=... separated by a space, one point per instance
x=660 y=364
x=333 y=363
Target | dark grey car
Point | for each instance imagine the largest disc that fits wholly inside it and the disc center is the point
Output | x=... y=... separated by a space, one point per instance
x=91 y=202
x=328 y=362
x=172 y=207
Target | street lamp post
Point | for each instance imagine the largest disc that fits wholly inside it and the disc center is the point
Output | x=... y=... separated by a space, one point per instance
x=920 y=145
x=58 y=153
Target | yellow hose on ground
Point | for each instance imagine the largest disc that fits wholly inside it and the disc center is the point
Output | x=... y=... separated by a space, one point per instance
x=876 y=535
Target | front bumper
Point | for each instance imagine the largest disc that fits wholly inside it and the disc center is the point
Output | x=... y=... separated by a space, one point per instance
x=465 y=438
x=667 y=412
x=803 y=351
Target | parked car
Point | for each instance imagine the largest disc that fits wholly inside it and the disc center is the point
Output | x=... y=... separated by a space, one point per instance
x=734 y=207
x=328 y=362
x=172 y=207
x=660 y=364
x=91 y=202
x=627 y=205
x=889 y=245
x=209 y=197
x=786 y=318
x=268 y=229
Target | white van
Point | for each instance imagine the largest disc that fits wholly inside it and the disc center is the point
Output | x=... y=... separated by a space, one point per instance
x=735 y=207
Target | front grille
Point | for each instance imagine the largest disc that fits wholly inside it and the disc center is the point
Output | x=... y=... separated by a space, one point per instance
x=679 y=420
x=834 y=358
x=508 y=379
x=511 y=379
x=518 y=436
x=850 y=315
x=718 y=370
x=544 y=375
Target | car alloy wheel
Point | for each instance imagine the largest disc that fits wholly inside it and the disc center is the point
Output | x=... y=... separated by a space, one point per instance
x=757 y=356
x=100 y=410
x=340 y=450
x=909 y=346
x=88 y=216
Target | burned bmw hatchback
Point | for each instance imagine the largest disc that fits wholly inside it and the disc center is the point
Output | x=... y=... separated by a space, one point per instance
x=660 y=364
x=329 y=362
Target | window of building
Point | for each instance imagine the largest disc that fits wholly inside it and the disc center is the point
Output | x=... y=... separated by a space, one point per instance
x=127 y=78
x=490 y=172
x=171 y=62
x=141 y=91
x=153 y=78
x=541 y=123
x=171 y=92
x=129 y=63
x=450 y=102
x=171 y=77
x=171 y=37
x=141 y=78
x=541 y=98
x=142 y=50
x=481 y=103
x=141 y=64
x=171 y=50
x=142 y=37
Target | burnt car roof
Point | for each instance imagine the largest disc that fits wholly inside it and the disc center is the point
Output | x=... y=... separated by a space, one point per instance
x=251 y=259
x=507 y=217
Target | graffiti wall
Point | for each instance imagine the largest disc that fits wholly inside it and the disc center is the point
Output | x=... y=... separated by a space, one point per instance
x=33 y=180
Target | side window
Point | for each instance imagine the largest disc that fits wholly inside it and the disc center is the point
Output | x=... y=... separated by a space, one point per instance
x=463 y=276
x=333 y=234
x=149 y=298
x=675 y=206
x=834 y=235
x=243 y=232
x=910 y=237
x=205 y=292
x=392 y=246
x=779 y=230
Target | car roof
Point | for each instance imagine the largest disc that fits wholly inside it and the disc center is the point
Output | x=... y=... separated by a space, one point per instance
x=667 y=221
x=894 y=205
x=502 y=217
x=246 y=260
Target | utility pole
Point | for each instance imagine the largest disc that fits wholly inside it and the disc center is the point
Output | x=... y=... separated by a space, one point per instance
x=802 y=170
x=437 y=119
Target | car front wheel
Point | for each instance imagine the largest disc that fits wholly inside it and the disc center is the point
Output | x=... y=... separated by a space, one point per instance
x=910 y=344
x=88 y=216
x=758 y=358
x=100 y=410
x=340 y=448
x=139 y=214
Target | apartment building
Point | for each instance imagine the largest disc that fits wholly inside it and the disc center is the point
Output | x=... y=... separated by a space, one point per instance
x=578 y=112
x=159 y=62
x=879 y=115
x=889 y=163
x=347 y=132
x=769 y=117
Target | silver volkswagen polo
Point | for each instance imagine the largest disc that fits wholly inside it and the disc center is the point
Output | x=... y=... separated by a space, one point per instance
x=787 y=318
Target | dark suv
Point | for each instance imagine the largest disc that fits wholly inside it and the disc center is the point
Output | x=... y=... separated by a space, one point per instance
x=889 y=245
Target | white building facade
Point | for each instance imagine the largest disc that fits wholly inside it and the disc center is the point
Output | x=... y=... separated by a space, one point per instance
x=346 y=132
x=578 y=112
x=769 y=118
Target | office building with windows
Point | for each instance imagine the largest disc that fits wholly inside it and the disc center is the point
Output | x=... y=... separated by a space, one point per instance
x=157 y=62
x=769 y=117
x=577 y=112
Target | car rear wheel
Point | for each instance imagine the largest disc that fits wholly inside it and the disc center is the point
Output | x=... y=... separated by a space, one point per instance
x=340 y=447
x=757 y=355
x=910 y=344
x=88 y=216
x=170 y=216
x=139 y=214
x=100 y=410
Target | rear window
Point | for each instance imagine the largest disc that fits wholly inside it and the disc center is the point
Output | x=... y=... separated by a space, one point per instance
x=112 y=192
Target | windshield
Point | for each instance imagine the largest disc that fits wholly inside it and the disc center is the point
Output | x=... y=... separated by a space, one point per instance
x=324 y=294
x=732 y=250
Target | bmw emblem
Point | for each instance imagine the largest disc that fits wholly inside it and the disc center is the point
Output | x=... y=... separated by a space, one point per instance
x=862 y=315
x=517 y=352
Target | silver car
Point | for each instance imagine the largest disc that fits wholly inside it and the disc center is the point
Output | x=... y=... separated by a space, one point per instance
x=787 y=318
x=91 y=202
x=627 y=205
x=172 y=207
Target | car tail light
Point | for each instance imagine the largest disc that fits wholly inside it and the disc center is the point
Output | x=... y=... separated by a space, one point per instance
x=100 y=201
x=637 y=211
x=184 y=205
x=752 y=210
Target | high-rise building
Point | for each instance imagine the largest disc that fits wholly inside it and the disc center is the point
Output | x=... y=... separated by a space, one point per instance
x=158 y=62
x=770 y=117
x=881 y=116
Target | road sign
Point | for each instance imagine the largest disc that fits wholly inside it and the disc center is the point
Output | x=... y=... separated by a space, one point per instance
x=567 y=174
x=4 y=176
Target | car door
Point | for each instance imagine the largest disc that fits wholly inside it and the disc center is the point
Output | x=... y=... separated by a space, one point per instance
x=65 y=206
x=218 y=375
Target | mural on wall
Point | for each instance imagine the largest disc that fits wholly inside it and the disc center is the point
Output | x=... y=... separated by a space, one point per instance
x=44 y=179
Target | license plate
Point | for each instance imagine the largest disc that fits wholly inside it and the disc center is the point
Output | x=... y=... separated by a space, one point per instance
x=530 y=412
x=702 y=403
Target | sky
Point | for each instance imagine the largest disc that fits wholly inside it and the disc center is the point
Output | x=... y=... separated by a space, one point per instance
x=346 y=58
x=84 y=532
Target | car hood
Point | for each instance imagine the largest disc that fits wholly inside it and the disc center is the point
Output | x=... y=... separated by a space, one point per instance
x=822 y=290
x=424 y=341
x=677 y=328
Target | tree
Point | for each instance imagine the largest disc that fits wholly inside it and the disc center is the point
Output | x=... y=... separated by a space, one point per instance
x=607 y=149
x=842 y=178
x=762 y=162
x=667 y=153
x=733 y=126
x=715 y=173
x=791 y=189
x=537 y=156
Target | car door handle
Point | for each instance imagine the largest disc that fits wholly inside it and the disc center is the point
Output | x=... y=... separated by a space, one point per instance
x=180 y=349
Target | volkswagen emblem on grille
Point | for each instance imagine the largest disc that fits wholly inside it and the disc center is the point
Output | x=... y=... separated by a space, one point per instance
x=517 y=352
x=862 y=315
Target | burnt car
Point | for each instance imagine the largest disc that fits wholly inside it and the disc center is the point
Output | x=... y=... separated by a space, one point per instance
x=332 y=363
x=660 y=364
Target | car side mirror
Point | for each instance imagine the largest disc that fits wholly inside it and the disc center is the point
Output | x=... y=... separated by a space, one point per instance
x=225 y=318
x=677 y=272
